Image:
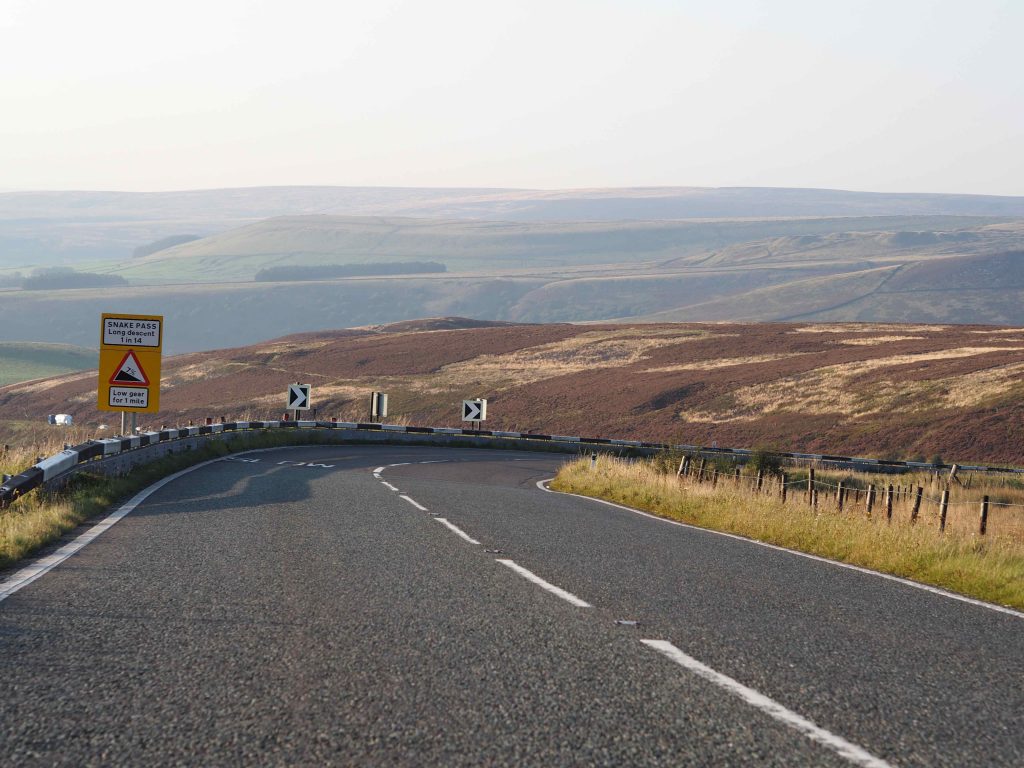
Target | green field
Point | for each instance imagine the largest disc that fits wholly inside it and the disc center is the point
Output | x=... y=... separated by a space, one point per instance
x=25 y=360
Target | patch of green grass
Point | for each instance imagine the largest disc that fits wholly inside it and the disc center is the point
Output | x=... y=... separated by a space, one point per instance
x=988 y=568
x=24 y=360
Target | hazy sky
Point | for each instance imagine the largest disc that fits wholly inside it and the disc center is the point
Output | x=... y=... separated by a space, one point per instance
x=893 y=95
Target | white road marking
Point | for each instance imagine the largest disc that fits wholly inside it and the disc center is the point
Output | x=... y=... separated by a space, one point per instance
x=435 y=461
x=456 y=530
x=837 y=744
x=401 y=464
x=25 y=576
x=378 y=470
x=848 y=566
x=376 y=476
x=386 y=484
x=531 y=576
x=414 y=503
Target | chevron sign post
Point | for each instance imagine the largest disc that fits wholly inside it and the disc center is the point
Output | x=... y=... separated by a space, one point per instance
x=475 y=411
x=298 y=397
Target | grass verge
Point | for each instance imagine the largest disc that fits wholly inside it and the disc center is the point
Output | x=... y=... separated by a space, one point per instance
x=989 y=568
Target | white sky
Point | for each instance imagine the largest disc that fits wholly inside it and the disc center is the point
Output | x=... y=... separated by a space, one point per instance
x=887 y=95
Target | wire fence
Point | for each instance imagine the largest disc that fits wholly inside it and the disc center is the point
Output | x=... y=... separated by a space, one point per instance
x=909 y=500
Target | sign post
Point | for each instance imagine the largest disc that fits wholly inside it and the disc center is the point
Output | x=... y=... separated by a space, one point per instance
x=131 y=349
x=298 y=399
x=378 y=405
x=475 y=411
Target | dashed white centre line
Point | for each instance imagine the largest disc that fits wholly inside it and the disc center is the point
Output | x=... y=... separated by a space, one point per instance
x=400 y=464
x=414 y=503
x=837 y=744
x=386 y=484
x=456 y=530
x=569 y=597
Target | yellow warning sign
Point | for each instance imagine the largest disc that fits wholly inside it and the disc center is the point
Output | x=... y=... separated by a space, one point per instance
x=130 y=353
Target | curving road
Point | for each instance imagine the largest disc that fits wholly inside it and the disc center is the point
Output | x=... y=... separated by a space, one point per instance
x=413 y=606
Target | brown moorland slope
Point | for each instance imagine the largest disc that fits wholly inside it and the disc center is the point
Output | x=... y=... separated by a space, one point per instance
x=870 y=389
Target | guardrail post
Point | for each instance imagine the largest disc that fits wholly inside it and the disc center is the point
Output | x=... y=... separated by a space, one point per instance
x=943 y=508
x=984 y=516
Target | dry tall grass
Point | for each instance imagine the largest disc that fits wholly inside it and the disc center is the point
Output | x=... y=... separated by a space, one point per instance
x=989 y=568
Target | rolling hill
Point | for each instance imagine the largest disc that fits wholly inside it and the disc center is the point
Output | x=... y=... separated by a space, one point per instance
x=884 y=390
x=496 y=246
x=23 y=361
x=38 y=228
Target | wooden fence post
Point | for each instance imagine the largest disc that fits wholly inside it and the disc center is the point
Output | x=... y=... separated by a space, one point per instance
x=917 y=504
x=782 y=487
x=682 y=466
x=984 y=516
x=943 y=508
x=888 y=503
x=714 y=477
x=700 y=470
x=736 y=475
x=760 y=480
x=810 y=485
x=871 y=498
x=840 y=493
x=814 y=499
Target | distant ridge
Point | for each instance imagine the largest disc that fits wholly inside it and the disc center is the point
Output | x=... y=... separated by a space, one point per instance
x=601 y=204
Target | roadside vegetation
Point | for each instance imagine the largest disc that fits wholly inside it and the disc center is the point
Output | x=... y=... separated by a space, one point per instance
x=989 y=567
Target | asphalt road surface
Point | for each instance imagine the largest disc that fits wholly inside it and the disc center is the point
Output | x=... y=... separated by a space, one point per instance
x=418 y=606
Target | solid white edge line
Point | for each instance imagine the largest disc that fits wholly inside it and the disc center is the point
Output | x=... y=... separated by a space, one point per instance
x=25 y=576
x=837 y=744
x=569 y=597
x=456 y=530
x=414 y=503
x=378 y=470
x=848 y=566
x=376 y=476
x=386 y=484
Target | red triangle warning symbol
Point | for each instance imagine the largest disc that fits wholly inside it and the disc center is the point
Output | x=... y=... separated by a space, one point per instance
x=130 y=372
